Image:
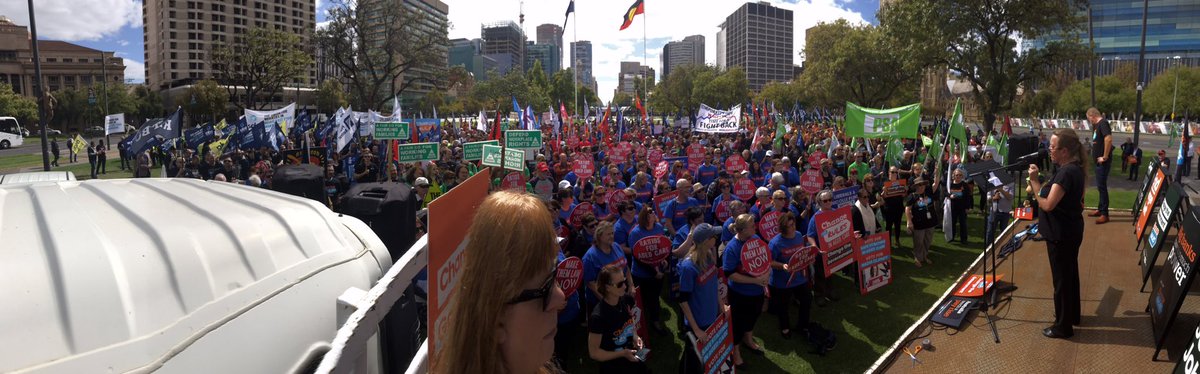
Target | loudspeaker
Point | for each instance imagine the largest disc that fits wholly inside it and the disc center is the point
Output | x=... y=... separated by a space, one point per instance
x=389 y=209
x=304 y=180
x=1021 y=144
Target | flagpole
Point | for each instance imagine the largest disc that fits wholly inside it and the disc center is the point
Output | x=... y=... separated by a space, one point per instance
x=574 y=63
x=645 y=80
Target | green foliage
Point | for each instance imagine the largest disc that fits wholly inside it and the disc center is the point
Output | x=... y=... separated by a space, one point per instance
x=784 y=95
x=206 y=101
x=689 y=86
x=263 y=62
x=1158 y=96
x=24 y=109
x=978 y=40
x=1112 y=96
x=532 y=89
x=726 y=89
x=147 y=104
x=330 y=96
x=856 y=63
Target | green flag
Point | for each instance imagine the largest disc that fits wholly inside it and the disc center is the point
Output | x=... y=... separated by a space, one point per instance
x=853 y=144
x=1002 y=149
x=780 y=130
x=895 y=151
x=957 y=129
x=899 y=122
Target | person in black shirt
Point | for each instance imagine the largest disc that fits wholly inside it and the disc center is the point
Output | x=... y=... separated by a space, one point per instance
x=959 y=193
x=893 y=208
x=612 y=329
x=1102 y=153
x=1060 y=221
x=922 y=218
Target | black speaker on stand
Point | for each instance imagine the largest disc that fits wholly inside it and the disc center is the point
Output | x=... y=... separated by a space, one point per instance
x=304 y=180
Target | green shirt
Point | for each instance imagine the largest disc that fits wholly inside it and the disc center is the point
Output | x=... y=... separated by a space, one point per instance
x=861 y=168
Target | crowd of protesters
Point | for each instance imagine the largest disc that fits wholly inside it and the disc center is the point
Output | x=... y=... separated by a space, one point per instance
x=706 y=221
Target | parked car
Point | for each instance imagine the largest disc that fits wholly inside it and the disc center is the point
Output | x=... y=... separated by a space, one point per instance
x=93 y=131
x=49 y=131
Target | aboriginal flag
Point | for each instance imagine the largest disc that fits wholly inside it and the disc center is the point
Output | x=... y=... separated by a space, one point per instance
x=634 y=10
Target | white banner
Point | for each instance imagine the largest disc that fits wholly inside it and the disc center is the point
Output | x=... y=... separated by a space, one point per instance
x=718 y=121
x=114 y=124
x=285 y=116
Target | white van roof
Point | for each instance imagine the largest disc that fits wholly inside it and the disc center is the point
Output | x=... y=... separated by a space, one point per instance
x=120 y=275
x=37 y=176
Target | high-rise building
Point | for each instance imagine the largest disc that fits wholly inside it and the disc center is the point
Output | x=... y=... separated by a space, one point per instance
x=689 y=51
x=1117 y=30
x=547 y=54
x=64 y=65
x=631 y=71
x=179 y=34
x=504 y=42
x=469 y=54
x=431 y=21
x=721 y=43
x=550 y=33
x=758 y=37
x=581 y=62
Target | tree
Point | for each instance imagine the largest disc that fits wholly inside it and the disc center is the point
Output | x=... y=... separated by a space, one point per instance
x=784 y=95
x=431 y=101
x=260 y=64
x=24 y=109
x=1159 y=94
x=148 y=104
x=330 y=96
x=620 y=99
x=676 y=91
x=1112 y=96
x=978 y=39
x=206 y=100
x=725 y=90
x=856 y=63
x=386 y=47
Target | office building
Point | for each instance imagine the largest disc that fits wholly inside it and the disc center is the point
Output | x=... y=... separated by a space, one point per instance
x=689 y=51
x=721 y=43
x=65 y=66
x=548 y=54
x=504 y=42
x=552 y=34
x=631 y=71
x=469 y=54
x=431 y=22
x=581 y=63
x=179 y=34
x=1172 y=30
x=758 y=37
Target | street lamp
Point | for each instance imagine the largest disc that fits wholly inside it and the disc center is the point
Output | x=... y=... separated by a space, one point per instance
x=1174 y=95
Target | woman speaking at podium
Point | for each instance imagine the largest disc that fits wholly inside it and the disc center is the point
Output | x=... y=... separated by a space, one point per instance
x=1061 y=223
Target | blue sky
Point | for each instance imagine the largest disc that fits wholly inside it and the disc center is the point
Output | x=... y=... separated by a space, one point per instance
x=115 y=25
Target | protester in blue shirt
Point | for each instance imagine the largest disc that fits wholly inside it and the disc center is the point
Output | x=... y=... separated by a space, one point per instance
x=724 y=196
x=707 y=172
x=626 y=221
x=675 y=209
x=565 y=200
x=603 y=252
x=698 y=299
x=788 y=283
x=568 y=324
x=821 y=286
x=746 y=293
x=736 y=208
x=649 y=278
x=695 y=215
x=645 y=190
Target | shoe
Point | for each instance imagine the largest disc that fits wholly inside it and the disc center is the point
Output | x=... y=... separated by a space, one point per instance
x=1102 y=219
x=1052 y=333
x=1095 y=213
x=787 y=334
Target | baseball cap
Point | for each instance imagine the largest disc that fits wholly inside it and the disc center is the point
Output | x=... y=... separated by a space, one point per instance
x=770 y=153
x=562 y=185
x=421 y=182
x=542 y=167
x=704 y=231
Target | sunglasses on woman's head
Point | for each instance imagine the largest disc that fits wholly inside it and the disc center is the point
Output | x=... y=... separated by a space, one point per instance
x=542 y=292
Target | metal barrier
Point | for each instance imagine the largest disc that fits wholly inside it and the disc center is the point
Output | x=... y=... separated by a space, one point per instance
x=364 y=311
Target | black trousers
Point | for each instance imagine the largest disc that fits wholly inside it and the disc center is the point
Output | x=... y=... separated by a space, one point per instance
x=651 y=290
x=1064 y=270
x=744 y=310
x=892 y=225
x=781 y=301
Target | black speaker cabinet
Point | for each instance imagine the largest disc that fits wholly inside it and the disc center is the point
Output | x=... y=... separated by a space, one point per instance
x=304 y=180
x=390 y=210
x=1020 y=145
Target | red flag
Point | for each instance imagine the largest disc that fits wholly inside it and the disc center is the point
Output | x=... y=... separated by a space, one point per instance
x=496 y=127
x=395 y=150
x=604 y=124
x=1007 y=125
x=413 y=126
x=634 y=10
x=566 y=120
x=638 y=101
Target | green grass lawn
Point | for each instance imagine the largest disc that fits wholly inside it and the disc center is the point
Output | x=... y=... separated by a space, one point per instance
x=15 y=162
x=865 y=325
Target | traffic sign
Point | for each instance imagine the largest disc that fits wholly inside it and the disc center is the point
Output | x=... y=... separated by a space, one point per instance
x=474 y=150
x=417 y=152
x=523 y=139
x=392 y=131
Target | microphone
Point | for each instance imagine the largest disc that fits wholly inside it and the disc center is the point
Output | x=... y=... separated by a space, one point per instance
x=1032 y=158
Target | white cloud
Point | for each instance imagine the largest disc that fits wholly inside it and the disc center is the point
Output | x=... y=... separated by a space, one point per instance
x=122 y=42
x=74 y=20
x=135 y=71
x=599 y=22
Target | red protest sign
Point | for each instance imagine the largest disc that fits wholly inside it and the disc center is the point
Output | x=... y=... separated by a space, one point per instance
x=722 y=211
x=661 y=169
x=744 y=189
x=661 y=200
x=814 y=160
x=874 y=256
x=976 y=286
x=613 y=198
x=810 y=181
x=652 y=250
x=1024 y=213
x=655 y=157
x=583 y=166
x=836 y=231
x=639 y=151
x=569 y=275
x=768 y=225
x=514 y=181
x=799 y=259
x=715 y=352
x=756 y=257
x=695 y=156
x=895 y=188
x=579 y=212
x=620 y=152
x=735 y=164
x=573 y=141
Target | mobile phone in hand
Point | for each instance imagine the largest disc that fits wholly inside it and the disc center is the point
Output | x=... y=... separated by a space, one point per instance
x=641 y=354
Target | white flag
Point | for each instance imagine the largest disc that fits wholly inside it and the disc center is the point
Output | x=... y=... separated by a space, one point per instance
x=482 y=125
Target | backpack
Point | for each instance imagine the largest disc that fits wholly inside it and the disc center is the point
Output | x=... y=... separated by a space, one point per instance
x=821 y=339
